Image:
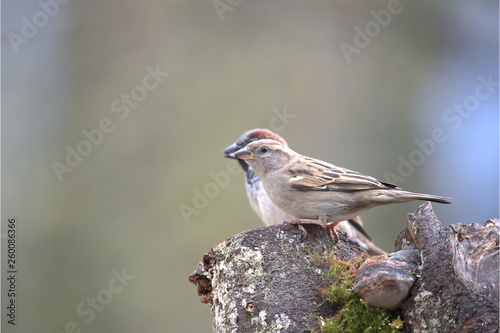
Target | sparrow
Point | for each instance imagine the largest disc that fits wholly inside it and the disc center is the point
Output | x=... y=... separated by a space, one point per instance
x=268 y=212
x=314 y=191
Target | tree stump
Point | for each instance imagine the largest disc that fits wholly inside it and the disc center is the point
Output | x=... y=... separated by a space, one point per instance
x=268 y=280
x=457 y=286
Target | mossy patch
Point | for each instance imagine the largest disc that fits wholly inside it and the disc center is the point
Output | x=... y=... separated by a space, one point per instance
x=354 y=314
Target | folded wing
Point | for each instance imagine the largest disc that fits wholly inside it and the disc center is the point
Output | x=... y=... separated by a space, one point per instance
x=322 y=176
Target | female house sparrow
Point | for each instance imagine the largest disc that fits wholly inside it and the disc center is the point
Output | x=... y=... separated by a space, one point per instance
x=310 y=189
x=268 y=212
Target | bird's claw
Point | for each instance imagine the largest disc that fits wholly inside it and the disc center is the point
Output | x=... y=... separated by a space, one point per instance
x=299 y=223
x=331 y=228
x=330 y=225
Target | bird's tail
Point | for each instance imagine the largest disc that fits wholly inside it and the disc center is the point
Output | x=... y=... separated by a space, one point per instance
x=409 y=196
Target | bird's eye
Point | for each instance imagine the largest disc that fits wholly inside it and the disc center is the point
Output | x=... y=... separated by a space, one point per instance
x=264 y=150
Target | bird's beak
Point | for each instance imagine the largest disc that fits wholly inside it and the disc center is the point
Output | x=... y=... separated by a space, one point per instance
x=230 y=150
x=243 y=154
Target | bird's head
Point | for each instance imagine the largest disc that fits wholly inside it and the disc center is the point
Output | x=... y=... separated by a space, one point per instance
x=264 y=155
x=248 y=137
x=251 y=136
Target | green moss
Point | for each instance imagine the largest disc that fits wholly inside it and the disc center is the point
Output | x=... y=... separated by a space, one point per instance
x=354 y=315
x=415 y=227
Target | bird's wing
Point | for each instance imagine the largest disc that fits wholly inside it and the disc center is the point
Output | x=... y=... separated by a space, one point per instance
x=316 y=175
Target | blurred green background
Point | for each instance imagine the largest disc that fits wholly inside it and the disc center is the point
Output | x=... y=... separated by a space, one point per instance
x=232 y=66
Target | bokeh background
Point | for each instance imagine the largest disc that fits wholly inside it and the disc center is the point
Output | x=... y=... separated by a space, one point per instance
x=231 y=66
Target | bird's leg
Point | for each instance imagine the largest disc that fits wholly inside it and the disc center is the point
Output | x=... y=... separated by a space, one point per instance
x=323 y=219
x=331 y=227
x=299 y=223
x=303 y=231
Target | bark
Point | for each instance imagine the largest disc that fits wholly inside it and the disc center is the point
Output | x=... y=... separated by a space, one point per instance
x=457 y=287
x=268 y=280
